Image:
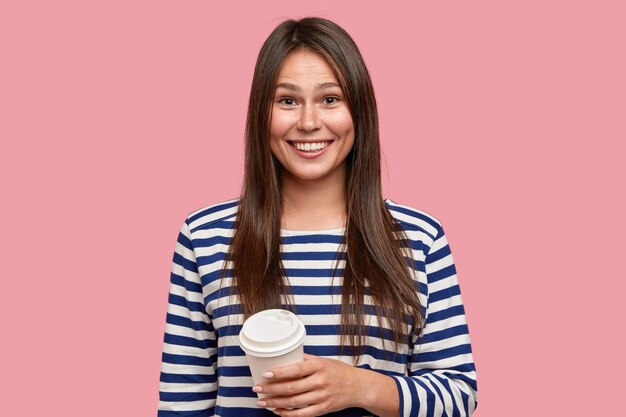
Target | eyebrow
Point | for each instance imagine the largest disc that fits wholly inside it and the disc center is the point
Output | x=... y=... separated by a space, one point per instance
x=293 y=87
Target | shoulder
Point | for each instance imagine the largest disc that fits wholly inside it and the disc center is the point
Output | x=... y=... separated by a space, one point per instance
x=412 y=219
x=219 y=215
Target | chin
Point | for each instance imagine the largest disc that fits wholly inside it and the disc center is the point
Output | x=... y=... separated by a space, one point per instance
x=309 y=176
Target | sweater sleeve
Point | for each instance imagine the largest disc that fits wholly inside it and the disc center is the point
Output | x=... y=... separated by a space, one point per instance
x=188 y=383
x=441 y=376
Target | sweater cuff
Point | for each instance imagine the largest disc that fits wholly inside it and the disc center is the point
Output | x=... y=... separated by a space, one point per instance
x=407 y=393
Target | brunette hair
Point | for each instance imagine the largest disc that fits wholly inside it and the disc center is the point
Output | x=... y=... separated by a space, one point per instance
x=378 y=252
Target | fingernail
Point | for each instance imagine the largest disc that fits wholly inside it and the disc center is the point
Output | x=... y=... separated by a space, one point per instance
x=268 y=375
x=261 y=404
x=257 y=388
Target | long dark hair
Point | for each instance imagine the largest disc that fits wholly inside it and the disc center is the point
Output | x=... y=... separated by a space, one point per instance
x=377 y=248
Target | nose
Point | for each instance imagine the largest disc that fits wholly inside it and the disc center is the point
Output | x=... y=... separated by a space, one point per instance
x=309 y=119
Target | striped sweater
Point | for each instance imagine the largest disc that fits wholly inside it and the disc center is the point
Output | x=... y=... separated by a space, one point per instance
x=204 y=371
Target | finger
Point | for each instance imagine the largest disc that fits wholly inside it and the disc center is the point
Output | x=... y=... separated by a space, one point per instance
x=292 y=371
x=303 y=400
x=310 y=411
x=285 y=388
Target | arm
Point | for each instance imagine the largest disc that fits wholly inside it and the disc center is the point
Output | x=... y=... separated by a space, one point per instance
x=441 y=374
x=325 y=385
x=188 y=379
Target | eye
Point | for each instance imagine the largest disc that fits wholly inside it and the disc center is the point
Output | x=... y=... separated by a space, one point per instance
x=287 y=101
x=330 y=100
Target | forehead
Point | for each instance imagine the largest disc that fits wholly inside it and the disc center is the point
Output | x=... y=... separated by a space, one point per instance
x=304 y=65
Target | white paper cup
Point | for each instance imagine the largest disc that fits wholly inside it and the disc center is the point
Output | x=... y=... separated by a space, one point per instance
x=271 y=338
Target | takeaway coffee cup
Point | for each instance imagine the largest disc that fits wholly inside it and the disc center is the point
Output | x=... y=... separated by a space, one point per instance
x=271 y=338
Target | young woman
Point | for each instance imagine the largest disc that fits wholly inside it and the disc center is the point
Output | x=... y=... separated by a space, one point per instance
x=372 y=280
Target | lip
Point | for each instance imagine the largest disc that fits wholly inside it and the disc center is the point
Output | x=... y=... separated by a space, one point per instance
x=310 y=155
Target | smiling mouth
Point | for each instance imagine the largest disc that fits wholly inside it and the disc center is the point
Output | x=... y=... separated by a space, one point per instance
x=310 y=146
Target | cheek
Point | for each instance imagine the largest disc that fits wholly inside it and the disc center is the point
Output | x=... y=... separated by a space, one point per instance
x=280 y=123
x=342 y=123
x=274 y=128
x=275 y=147
x=276 y=133
x=347 y=127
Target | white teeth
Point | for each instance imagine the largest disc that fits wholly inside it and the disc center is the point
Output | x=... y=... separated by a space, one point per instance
x=310 y=147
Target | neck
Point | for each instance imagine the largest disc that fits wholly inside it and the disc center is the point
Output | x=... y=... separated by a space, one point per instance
x=313 y=205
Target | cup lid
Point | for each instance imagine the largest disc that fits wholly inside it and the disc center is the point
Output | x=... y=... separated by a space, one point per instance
x=271 y=333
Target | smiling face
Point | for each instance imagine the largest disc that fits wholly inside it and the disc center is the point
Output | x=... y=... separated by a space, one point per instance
x=311 y=129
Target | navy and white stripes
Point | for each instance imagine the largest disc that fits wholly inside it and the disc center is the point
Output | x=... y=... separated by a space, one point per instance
x=204 y=371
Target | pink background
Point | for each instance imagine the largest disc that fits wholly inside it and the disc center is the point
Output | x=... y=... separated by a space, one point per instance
x=506 y=121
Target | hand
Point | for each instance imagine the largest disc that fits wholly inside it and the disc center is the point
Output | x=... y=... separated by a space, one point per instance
x=319 y=385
